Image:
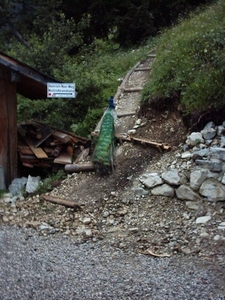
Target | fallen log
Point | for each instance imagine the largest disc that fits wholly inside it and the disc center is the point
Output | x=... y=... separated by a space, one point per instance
x=76 y=168
x=60 y=201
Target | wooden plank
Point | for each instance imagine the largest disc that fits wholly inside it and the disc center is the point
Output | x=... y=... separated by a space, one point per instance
x=74 y=137
x=132 y=90
x=30 y=158
x=46 y=132
x=65 y=156
x=61 y=136
x=38 y=152
x=143 y=69
x=25 y=150
x=27 y=165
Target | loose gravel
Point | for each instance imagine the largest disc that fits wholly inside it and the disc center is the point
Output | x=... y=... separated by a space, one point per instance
x=57 y=267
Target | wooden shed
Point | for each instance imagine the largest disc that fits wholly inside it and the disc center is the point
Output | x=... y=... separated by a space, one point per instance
x=16 y=77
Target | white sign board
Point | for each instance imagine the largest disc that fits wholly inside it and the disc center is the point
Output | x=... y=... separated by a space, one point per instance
x=60 y=90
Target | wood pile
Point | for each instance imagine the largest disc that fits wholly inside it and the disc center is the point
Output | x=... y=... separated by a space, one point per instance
x=42 y=146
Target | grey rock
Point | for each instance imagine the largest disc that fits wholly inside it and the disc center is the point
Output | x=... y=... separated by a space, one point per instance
x=209 y=125
x=45 y=226
x=192 y=205
x=171 y=177
x=86 y=220
x=133 y=229
x=223 y=179
x=184 y=192
x=186 y=155
x=200 y=153
x=202 y=220
x=32 y=184
x=88 y=233
x=213 y=190
x=163 y=190
x=150 y=180
x=197 y=177
x=221 y=226
x=139 y=191
x=17 y=185
x=217 y=237
x=105 y=214
x=217 y=152
x=213 y=165
x=194 y=139
x=209 y=134
x=222 y=141
x=220 y=130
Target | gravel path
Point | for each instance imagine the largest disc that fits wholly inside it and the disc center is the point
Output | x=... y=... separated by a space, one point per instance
x=56 y=267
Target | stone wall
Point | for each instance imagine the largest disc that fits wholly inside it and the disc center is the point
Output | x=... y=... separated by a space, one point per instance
x=199 y=171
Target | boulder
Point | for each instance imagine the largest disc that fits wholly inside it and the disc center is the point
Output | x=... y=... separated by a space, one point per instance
x=194 y=139
x=150 y=180
x=197 y=177
x=213 y=165
x=184 y=192
x=171 y=177
x=213 y=190
x=163 y=190
x=32 y=184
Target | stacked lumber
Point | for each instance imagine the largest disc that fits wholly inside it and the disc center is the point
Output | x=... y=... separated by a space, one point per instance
x=42 y=146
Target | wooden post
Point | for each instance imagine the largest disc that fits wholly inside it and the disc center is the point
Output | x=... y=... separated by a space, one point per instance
x=8 y=126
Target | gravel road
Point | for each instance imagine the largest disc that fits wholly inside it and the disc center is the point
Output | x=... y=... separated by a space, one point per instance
x=57 y=267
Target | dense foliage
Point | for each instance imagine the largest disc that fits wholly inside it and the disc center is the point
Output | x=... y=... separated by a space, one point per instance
x=129 y=21
x=190 y=63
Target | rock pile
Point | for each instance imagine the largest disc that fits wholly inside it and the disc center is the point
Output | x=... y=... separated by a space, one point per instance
x=198 y=173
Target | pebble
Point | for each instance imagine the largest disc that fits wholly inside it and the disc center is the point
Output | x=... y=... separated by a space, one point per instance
x=202 y=220
x=5 y=219
x=221 y=226
x=86 y=221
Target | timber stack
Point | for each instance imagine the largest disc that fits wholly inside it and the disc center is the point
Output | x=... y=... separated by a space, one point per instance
x=42 y=146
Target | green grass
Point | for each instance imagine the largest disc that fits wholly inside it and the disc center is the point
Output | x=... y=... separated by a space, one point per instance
x=190 y=63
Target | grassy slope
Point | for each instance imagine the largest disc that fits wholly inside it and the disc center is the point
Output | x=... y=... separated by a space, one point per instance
x=190 y=64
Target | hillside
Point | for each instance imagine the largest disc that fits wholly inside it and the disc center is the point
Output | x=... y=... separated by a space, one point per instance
x=110 y=209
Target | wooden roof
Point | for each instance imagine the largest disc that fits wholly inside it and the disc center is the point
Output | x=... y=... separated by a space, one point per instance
x=31 y=83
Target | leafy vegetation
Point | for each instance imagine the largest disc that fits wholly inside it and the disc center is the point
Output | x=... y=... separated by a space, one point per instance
x=49 y=182
x=190 y=63
x=96 y=72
